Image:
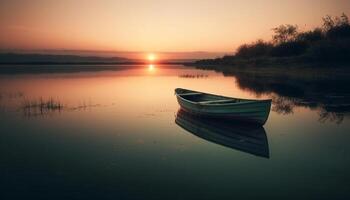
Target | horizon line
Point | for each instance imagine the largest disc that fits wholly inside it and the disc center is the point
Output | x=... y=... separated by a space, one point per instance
x=114 y=51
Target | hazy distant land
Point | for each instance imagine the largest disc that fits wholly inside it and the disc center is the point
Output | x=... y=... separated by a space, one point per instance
x=35 y=58
x=16 y=58
x=13 y=63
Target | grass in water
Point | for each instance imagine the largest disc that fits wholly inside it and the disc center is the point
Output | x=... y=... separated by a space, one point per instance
x=41 y=107
x=193 y=76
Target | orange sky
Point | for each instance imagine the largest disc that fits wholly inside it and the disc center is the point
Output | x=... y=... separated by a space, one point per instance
x=152 y=25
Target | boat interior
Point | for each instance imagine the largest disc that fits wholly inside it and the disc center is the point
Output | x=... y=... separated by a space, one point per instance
x=207 y=99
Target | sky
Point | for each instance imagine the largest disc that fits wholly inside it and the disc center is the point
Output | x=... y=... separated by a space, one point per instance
x=177 y=27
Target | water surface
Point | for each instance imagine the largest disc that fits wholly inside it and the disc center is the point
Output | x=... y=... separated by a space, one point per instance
x=115 y=136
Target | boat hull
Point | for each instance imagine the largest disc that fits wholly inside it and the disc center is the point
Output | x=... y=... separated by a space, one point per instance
x=250 y=111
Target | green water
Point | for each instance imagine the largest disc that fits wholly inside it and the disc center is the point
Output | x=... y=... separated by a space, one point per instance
x=116 y=138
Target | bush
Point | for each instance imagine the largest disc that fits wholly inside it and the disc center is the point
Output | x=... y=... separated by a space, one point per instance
x=336 y=28
x=330 y=50
x=292 y=48
x=285 y=33
x=311 y=36
x=332 y=43
x=256 y=49
x=339 y=32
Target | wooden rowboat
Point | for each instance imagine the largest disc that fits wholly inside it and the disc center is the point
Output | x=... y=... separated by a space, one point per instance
x=210 y=105
x=248 y=138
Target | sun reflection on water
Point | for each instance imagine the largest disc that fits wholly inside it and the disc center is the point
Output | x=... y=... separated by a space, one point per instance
x=151 y=67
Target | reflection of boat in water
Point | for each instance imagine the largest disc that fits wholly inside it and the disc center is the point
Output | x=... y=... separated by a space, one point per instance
x=249 y=138
x=205 y=104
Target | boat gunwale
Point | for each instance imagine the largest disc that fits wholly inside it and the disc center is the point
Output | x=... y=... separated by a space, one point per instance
x=247 y=101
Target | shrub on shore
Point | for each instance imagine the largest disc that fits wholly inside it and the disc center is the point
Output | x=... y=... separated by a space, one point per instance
x=329 y=43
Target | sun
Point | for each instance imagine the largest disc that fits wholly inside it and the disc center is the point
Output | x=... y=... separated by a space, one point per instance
x=151 y=57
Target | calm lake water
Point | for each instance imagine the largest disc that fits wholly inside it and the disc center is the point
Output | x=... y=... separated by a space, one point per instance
x=113 y=135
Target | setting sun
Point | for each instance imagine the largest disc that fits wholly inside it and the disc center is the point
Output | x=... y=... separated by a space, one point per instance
x=151 y=57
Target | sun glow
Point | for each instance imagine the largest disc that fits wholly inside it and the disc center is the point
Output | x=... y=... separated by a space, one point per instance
x=150 y=67
x=151 y=57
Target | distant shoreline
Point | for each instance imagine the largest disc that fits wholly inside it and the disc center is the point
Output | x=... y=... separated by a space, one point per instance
x=51 y=59
x=51 y=67
x=305 y=70
x=94 y=63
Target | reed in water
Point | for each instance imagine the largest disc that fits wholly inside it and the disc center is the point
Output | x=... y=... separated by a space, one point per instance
x=40 y=107
x=193 y=76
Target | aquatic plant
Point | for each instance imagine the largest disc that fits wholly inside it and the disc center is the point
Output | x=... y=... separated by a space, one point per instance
x=83 y=106
x=40 y=107
x=193 y=76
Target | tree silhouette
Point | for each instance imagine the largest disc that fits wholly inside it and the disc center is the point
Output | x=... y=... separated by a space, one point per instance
x=284 y=33
x=330 y=23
